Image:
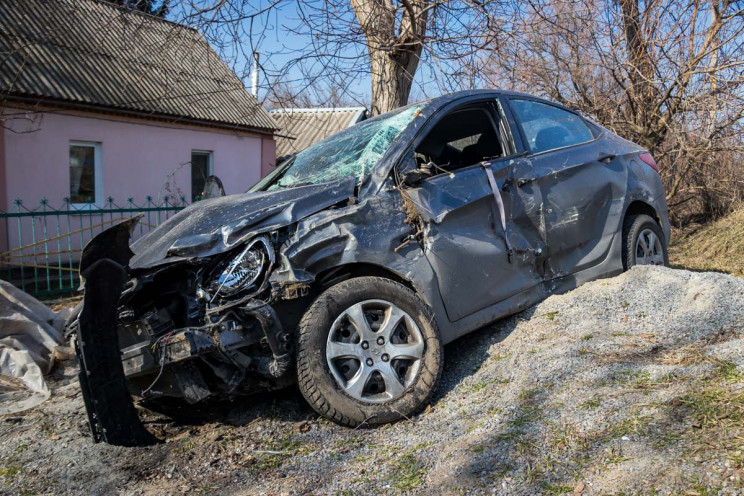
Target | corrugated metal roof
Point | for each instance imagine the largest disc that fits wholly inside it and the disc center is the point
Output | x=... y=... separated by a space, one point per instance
x=94 y=53
x=310 y=125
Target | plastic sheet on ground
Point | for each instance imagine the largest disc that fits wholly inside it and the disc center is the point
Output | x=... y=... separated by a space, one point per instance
x=30 y=333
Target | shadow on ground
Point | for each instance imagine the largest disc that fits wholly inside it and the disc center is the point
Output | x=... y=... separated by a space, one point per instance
x=461 y=359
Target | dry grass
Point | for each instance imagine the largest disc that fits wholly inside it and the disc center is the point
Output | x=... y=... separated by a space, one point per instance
x=718 y=246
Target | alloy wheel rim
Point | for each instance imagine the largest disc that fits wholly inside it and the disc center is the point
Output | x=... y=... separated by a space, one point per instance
x=648 y=249
x=374 y=351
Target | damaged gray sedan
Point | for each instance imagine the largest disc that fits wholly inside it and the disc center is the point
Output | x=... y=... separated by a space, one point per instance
x=349 y=267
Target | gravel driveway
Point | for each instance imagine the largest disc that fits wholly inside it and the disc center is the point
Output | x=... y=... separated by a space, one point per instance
x=630 y=385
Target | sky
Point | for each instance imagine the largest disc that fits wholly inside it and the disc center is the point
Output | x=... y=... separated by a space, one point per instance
x=276 y=34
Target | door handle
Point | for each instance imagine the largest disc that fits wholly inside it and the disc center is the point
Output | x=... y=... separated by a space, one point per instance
x=606 y=158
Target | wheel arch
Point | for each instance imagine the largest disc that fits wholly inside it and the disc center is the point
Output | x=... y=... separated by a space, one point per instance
x=333 y=275
x=638 y=207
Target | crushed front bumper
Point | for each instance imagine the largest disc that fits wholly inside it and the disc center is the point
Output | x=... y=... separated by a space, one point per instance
x=109 y=375
x=111 y=412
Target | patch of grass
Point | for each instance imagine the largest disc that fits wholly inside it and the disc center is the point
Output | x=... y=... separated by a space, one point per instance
x=9 y=471
x=716 y=246
x=591 y=404
x=665 y=438
x=498 y=358
x=562 y=436
x=728 y=371
x=556 y=488
x=479 y=386
x=529 y=394
x=626 y=378
x=715 y=407
x=737 y=460
x=266 y=462
x=550 y=315
x=637 y=424
x=409 y=473
x=615 y=455
x=587 y=337
x=420 y=446
x=645 y=383
x=701 y=489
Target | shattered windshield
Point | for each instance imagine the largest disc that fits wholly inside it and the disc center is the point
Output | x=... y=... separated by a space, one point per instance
x=351 y=152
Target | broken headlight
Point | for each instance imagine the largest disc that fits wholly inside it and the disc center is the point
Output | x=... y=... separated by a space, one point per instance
x=246 y=270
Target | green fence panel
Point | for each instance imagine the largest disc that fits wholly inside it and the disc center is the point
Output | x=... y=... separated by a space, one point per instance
x=40 y=248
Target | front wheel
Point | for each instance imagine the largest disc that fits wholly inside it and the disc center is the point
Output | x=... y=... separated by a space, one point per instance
x=369 y=352
x=643 y=242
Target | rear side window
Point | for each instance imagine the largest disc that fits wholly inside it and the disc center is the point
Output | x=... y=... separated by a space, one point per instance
x=547 y=127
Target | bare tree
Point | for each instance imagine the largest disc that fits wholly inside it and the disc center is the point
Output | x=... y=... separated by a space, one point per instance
x=667 y=74
x=350 y=42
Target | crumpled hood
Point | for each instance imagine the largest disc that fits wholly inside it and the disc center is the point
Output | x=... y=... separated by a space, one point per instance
x=214 y=226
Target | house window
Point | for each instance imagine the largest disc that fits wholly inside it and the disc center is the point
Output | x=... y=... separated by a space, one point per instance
x=86 y=179
x=201 y=169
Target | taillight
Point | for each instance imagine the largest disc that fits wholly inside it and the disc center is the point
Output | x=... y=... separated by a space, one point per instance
x=649 y=160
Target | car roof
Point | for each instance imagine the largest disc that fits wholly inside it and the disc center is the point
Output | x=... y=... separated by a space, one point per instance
x=451 y=97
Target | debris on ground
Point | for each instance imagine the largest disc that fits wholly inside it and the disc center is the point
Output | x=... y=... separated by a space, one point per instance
x=30 y=340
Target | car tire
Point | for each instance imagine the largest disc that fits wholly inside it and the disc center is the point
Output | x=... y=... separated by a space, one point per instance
x=639 y=233
x=352 y=385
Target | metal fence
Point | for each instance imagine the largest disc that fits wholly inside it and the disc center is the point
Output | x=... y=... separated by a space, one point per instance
x=40 y=248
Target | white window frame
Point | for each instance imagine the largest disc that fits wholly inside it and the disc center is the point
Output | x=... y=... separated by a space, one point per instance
x=97 y=173
x=210 y=163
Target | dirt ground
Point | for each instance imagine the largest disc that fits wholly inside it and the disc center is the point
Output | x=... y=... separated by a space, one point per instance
x=631 y=385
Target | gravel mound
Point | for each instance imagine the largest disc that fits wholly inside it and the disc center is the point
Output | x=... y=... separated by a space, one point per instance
x=631 y=385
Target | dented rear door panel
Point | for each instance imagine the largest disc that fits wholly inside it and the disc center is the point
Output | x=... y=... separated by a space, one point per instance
x=583 y=204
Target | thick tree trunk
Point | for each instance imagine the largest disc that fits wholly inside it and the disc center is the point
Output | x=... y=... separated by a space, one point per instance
x=392 y=77
x=394 y=52
x=641 y=93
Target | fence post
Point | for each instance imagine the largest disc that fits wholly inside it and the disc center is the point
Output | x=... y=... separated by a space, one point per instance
x=46 y=243
x=18 y=202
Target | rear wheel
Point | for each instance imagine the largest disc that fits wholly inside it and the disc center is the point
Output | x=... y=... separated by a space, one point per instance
x=643 y=242
x=369 y=352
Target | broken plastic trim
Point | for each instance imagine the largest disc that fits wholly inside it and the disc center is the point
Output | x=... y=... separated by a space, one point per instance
x=279 y=342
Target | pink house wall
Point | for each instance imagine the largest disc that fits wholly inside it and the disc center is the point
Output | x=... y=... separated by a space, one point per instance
x=268 y=156
x=139 y=158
